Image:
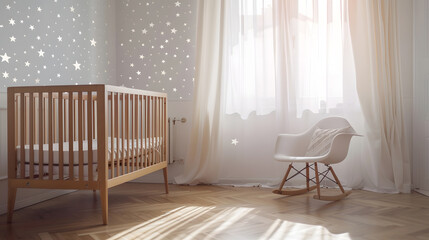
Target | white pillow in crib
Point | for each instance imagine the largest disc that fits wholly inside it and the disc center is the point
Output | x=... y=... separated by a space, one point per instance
x=321 y=141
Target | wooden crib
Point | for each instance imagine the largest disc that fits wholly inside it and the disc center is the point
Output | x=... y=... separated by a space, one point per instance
x=84 y=137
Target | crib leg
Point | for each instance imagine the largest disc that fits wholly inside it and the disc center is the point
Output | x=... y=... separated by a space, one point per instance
x=11 y=202
x=165 y=179
x=104 y=204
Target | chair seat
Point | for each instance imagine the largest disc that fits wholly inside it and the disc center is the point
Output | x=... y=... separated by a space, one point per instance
x=285 y=158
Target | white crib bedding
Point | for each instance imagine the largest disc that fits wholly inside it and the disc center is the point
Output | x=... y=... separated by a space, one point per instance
x=148 y=143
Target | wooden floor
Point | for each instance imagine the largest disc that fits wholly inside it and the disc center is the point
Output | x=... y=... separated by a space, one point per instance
x=143 y=211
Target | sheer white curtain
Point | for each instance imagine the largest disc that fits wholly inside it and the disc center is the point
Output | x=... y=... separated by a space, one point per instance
x=202 y=161
x=374 y=31
x=308 y=38
x=249 y=58
x=294 y=57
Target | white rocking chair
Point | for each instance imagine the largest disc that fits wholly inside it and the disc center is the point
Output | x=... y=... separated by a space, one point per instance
x=327 y=142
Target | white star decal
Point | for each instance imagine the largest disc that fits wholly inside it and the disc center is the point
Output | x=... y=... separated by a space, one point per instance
x=141 y=56
x=5 y=58
x=71 y=9
x=144 y=31
x=234 y=141
x=174 y=89
x=163 y=73
x=188 y=40
x=60 y=39
x=168 y=23
x=27 y=64
x=11 y=21
x=132 y=65
x=76 y=66
x=7 y=7
x=151 y=25
x=41 y=53
x=173 y=30
x=37 y=80
x=5 y=74
x=14 y=80
x=138 y=72
x=31 y=27
x=177 y=4
x=12 y=39
x=93 y=42
x=39 y=9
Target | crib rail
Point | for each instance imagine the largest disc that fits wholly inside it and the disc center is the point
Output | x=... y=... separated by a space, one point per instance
x=128 y=126
x=137 y=125
x=48 y=123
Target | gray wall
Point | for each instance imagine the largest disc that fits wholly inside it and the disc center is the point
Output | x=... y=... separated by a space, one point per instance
x=156 y=46
x=63 y=31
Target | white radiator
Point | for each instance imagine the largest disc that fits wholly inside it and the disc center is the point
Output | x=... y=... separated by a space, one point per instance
x=171 y=126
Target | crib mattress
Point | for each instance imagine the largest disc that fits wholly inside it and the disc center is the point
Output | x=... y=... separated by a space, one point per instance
x=136 y=145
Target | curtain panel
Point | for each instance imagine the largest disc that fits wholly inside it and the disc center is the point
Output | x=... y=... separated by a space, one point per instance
x=269 y=67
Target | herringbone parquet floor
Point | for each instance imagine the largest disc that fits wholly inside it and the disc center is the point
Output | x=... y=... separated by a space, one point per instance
x=143 y=211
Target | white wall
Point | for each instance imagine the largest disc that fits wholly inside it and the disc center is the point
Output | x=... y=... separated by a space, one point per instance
x=405 y=34
x=421 y=96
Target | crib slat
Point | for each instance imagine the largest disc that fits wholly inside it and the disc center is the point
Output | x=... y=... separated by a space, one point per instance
x=147 y=135
x=158 y=139
x=132 y=98
x=60 y=136
x=26 y=118
x=112 y=136
x=16 y=117
x=89 y=120
x=84 y=117
x=80 y=133
x=71 y=123
x=123 y=133
x=93 y=117
x=133 y=129
x=55 y=120
x=136 y=130
x=152 y=128
x=32 y=133
x=22 y=163
x=65 y=120
x=127 y=130
x=117 y=132
x=143 y=131
x=41 y=130
x=139 y=133
x=50 y=137
x=164 y=129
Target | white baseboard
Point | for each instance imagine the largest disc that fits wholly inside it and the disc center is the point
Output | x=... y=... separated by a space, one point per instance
x=35 y=199
x=424 y=192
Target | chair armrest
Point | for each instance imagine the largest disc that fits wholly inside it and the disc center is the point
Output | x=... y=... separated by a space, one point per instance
x=339 y=148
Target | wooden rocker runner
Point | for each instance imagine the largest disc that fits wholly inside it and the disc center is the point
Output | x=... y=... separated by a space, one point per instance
x=327 y=142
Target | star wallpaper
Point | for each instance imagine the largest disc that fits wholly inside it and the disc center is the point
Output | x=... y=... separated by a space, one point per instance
x=156 y=46
x=141 y=44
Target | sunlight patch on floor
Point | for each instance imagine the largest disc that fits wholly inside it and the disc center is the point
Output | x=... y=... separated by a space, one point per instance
x=281 y=229
x=165 y=225
x=202 y=222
